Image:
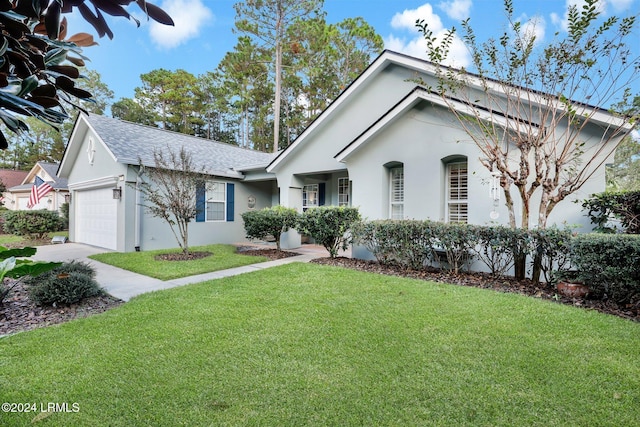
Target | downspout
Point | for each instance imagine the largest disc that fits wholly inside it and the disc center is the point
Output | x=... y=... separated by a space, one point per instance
x=138 y=214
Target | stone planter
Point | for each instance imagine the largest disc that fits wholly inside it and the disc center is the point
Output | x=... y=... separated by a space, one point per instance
x=573 y=289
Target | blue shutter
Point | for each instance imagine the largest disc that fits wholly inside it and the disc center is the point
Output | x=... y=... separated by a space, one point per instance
x=200 y=202
x=321 y=193
x=230 y=201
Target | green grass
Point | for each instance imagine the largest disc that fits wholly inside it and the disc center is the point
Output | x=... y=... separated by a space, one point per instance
x=224 y=256
x=314 y=345
x=13 y=240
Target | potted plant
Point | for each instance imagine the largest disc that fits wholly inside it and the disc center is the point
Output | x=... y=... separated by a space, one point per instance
x=570 y=284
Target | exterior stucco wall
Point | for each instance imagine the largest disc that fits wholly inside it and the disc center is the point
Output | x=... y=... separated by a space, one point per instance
x=156 y=234
x=100 y=172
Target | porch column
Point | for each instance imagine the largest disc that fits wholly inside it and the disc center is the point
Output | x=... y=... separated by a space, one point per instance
x=291 y=197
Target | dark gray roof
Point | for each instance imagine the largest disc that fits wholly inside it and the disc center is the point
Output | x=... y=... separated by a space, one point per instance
x=52 y=170
x=132 y=143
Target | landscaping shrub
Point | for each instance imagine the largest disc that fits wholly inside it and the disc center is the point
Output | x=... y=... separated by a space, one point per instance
x=269 y=222
x=407 y=242
x=495 y=247
x=34 y=224
x=552 y=247
x=67 y=284
x=453 y=245
x=609 y=265
x=330 y=226
x=623 y=206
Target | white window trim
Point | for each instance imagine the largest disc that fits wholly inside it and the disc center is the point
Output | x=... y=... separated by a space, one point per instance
x=393 y=203
x=451 y=201
x=310 y=188
x=208 y=200
x=341 y=187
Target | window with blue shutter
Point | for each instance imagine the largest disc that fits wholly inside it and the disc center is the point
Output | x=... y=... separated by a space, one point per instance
x=230 y=201
x=200 y=202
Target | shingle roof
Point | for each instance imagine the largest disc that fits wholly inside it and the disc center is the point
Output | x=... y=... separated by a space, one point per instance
x=11 y=178
x=132 y=143
x=52 y=170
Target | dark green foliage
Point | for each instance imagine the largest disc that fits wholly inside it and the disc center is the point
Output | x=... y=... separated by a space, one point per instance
x=496 y=247
x=552 y=247
x=64 y=211
x=67 y=284
x=17 y=269
x=330 y=226
x=34 y=224
x=269 y=222
x=406 y=243
x=623 y=206
x=609 y=265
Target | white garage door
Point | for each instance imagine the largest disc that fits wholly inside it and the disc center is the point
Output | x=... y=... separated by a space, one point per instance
x=96 y=218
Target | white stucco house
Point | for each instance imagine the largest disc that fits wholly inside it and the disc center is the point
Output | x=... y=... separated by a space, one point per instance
x=385 y=145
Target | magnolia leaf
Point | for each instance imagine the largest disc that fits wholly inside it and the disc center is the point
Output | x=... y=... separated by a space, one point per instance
x=82 y=39
x=17 y=252
x=6 y=266
x=30 y=269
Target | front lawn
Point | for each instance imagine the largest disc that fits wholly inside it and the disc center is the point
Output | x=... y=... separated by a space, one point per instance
x=224 y=256
x=304 y=344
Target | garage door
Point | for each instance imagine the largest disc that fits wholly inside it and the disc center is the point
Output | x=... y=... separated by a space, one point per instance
x=96 y=218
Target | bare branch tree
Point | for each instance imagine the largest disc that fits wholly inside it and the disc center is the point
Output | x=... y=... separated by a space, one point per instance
x=170 y=191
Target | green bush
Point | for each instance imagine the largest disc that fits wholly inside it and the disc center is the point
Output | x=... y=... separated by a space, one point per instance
x=608 y=264
x=552 y=246
x=269 y=222
x=407 y=242
x=495 y=247
x=67 y=284
x=623 y=206
x=34 y=224
x=453 y=245
x=330 y=226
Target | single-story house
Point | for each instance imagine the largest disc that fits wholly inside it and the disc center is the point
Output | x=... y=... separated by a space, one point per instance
x=385 y=145
x=10 y=178
x=17 y=196
x=106 y=154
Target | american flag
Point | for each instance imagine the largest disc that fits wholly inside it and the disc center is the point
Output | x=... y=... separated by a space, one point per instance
x=39 y=189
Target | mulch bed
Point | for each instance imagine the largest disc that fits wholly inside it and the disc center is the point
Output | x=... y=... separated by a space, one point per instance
x=271 y=254
x=486 y=281
x=19 y=313
x=182 y=256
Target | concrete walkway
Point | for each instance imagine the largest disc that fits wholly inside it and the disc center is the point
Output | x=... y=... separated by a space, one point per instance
x=125 y=284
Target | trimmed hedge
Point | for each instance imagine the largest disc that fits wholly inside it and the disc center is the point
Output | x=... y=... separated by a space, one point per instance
x=609 y=265
x=36 y=224
x=269 y=222
x=330 y=226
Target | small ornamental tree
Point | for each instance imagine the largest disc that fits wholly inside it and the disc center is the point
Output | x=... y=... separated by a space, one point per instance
x=623 y=206
x=170 y=191
x=330 y=226
x=524 y=104
x=269 y=222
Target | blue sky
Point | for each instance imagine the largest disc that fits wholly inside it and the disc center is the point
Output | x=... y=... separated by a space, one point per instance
x=203 y=31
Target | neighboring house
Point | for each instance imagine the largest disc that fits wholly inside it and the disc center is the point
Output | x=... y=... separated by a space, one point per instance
x=105 y=154
x=10 y=178
x=17 y=196
x=386 y=145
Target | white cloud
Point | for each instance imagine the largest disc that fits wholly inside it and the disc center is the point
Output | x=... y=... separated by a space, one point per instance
x=456 y=9
x=407 y=19
x=415 y=45
x=534 y=27
x=189 y=16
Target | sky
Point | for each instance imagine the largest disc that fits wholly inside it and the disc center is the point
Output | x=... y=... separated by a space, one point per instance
x=203 y=31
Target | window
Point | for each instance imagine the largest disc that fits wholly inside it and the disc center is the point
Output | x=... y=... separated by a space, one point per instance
x=396 y=198
x=310 y=195
x=457 y=192
x=216 y=201
x=343 y=191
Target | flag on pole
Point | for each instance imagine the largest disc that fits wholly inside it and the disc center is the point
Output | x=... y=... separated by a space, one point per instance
x=39 y=189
